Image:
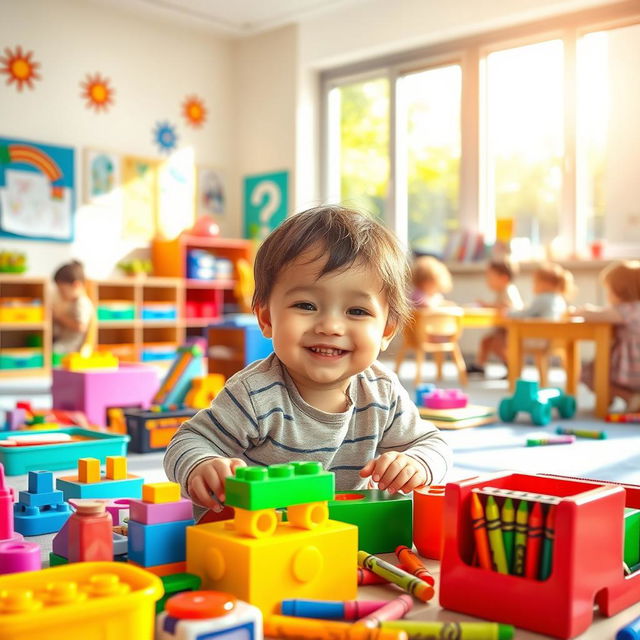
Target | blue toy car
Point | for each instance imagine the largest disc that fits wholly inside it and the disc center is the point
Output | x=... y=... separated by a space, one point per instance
x=537 y=402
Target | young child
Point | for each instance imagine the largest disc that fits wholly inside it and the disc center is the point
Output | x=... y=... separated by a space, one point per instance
x=331 y=292
x=499 y=276
x=72 y=310
x=621 y=281
x=431 y=280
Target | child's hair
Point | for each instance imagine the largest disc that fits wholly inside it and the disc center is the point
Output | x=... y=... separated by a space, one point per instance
x=623 y=279
x=427 y=269
x=69 y=273
x=504 y=268
x=558 y=277
x=346 y=236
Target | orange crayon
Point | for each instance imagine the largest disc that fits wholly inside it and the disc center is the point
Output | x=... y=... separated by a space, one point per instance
x=310 y=629
x=535 y=530
x=410 y=562
x=479 y=524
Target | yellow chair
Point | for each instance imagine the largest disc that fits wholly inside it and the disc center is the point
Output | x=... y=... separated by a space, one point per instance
x=435 y=331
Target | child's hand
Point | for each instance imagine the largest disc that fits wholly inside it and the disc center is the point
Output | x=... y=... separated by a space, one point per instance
x=395 y=471
x=208 y=478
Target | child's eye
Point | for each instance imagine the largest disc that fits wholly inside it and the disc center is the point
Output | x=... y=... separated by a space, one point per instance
x=305 y=306
x=358 y=312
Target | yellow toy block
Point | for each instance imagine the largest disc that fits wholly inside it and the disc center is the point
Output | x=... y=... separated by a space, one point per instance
x=203 y=390
x=88 y=470
x=97 y=360
x=116 y=467
x=292 y=563
x=160 y=492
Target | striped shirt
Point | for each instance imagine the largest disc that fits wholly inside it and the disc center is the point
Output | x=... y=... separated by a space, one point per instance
x=261 y=418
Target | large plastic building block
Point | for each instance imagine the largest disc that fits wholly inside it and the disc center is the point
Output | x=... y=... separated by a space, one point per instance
x=586 y=565
x=97 y=360
x=95 y=392
x=536 y=402
x=279 y=485
x=446 y=399
x=149 y=513
x=383 y=519
x=631 y=536
x=163 y=570
x=36 y=521
x=428 y=520
x=151 y=544
x=208 y=614
x=161 y=492
x=176 y=384
x=177 y=583
x=152 y=430
x=204 y=390
x=422 y=391
x=88 y=600
x=75 y=487
x=319 y=563
x=19 y=556
x=7 y=532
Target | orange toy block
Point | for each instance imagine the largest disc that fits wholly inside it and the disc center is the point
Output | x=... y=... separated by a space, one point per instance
x=162 y=570
x=116 y=467
x=88 y=470
x=158 y=492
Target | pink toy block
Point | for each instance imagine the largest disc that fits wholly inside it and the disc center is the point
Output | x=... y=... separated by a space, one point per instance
x=148 y=513
x=93 y=392
x=7 y=532
x=446 y=399
x=19 y=556
x=118 y=508
x=16 y=419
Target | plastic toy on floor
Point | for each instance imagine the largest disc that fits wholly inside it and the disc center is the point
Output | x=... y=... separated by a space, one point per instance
x=538 y=403
x=446 y=399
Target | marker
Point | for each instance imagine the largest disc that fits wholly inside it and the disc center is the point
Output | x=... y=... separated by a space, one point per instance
x=582 y=433
x=478 y=524
x=508 y=530
x=410 y=562
x=416 y=587
x=534 y=541
x=630 y=631
x=331 y=609
x=547 y=545
x=520 y=541
x=310 y=629
x=494 y=532
x=366 y=577
x=418 y=630
x=545 y=440
x=392 y=610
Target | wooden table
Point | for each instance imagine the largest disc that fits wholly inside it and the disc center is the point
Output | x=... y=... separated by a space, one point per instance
x=480 y=317
x=570 y=332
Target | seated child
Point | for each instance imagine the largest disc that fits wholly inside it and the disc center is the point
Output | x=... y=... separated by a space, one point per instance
x=621 y=281
x=72 y=310
x=499 y=277
x=331 y=292
x=431 y=280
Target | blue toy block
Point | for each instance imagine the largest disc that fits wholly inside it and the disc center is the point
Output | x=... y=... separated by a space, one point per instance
x=537 y=402
x=153 y=544
x=40 y=481
x=131 y=487
x=36 y=521
x=422 y=390
x=41 y=492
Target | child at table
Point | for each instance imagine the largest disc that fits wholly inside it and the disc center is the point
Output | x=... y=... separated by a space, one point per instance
x=621 y=281
x=431 y=280
x=331 y=292
x=499 y=275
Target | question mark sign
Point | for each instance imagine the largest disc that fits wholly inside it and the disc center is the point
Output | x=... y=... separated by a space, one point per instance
x=269 y=190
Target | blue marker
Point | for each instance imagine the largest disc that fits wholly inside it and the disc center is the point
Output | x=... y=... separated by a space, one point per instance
x=630 y=631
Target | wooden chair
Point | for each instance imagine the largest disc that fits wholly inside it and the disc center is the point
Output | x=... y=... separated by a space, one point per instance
x=542 y=355
x=435 y=331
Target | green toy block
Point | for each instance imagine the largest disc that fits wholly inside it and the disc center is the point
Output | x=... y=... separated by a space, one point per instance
x=631 y=536
x=279 y=485
x=55 y=559
x=384 y=520
x=177 y=583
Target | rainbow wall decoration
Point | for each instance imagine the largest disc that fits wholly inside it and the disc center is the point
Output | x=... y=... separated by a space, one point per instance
x=37 y=195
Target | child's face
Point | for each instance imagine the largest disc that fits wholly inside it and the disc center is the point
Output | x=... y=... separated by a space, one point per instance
x=70 y=290
x=496 y=281
x=325 y=330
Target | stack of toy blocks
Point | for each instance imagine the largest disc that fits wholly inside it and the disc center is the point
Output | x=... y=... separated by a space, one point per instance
x=117 y=483
x=309 y=556
x=40 y=509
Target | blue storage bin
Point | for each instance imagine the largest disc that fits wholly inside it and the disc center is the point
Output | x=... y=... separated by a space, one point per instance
x=201 y=265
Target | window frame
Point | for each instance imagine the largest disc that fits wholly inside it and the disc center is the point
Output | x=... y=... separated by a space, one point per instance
x=470 y=53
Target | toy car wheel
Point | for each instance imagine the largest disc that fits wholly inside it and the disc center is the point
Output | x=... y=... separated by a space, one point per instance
x=541 y=414
x=567 y=407
x=506 y=411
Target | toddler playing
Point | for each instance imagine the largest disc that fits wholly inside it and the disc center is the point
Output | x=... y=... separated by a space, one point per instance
x=331 y=292
x=431 y=280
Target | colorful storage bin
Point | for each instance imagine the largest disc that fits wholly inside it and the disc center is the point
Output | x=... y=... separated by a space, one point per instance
x=152 y=351
x=18 y=310
x=116 y=310
x=21 y=358
x=159 y=311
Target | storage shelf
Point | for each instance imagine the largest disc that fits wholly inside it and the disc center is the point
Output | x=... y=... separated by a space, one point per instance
x=24 y=326
x=210 y=284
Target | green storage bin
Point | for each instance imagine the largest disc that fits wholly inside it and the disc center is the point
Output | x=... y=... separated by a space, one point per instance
x=116 y=312
x=21 y=359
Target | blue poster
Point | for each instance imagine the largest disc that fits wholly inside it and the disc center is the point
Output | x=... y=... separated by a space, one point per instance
x=266 y=202
x=37 y=196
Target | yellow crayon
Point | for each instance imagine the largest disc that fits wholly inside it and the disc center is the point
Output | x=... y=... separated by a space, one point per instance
x=494 y=530
x=419 y=630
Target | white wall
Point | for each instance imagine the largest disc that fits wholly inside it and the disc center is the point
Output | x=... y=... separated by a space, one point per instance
x=153 y=66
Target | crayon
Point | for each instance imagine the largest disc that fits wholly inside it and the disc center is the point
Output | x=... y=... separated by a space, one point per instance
x=497 y=492
x=508 y=529
x=547 y=545
x=419 y=630
x=582 y=433
x=478 y=524
x=520 y=541
x=331 y=609
x=410 y=562
x=416 y=587
x=546 y=440
x=534 y=541
x=623 y=417
x=366 y=577
x=392 y=610
x=310 y=629
x=494 y=532
x=630 y=631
